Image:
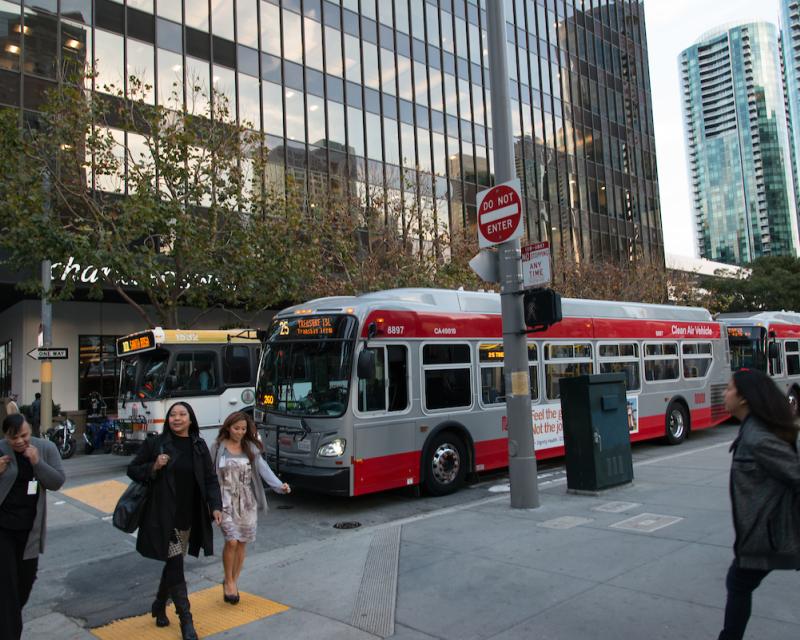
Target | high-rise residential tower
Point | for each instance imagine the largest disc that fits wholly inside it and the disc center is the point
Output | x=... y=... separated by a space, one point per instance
x=790 y=46
x=738 y=144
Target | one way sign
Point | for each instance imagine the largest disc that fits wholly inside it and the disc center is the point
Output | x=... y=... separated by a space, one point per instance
x=49 y=353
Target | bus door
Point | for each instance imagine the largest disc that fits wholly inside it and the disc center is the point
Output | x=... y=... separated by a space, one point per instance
x=237 y=380
x=383 y=432
x=194 y=377
x=774 y=356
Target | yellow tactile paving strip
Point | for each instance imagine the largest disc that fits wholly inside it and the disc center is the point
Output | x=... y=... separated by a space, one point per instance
x=211 y=615
x=102 y=496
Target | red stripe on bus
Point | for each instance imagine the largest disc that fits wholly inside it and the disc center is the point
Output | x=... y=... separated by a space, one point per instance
x=385 y=472
x=408 y=324
x=402 y=469
x=785 y=330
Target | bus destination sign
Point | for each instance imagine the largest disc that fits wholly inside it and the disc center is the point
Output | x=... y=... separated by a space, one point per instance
x=136 y=343
x=312 y=327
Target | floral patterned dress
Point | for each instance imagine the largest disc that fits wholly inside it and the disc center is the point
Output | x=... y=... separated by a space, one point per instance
x=239 y=506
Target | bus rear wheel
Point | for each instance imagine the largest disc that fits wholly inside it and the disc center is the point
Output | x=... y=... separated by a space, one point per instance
x=445 y=464
x=677 y=423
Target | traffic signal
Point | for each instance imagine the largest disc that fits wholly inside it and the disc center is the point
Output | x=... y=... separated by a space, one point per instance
x=541 y=308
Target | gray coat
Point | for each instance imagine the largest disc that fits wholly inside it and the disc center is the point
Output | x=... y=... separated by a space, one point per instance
x=263 y=472
x=765 y=498
x=50 y=475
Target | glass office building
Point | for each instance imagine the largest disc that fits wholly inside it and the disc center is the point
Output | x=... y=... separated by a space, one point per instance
x=393 y=94
x=738 y=144
x=790 y=45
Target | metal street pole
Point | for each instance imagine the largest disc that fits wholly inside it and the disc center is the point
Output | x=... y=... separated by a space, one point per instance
x=521 y=455
x=46 y=373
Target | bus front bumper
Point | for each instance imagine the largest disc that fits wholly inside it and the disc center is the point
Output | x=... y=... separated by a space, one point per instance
x=320 y=479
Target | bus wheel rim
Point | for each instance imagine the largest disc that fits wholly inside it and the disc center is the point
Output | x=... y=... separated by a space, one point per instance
x=676 y=425
x=446 y=463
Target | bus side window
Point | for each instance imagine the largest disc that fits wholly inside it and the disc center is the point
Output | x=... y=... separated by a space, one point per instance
x=447 y=372
x=398 y=377
x=236 y=364
x=196 y=371
x=775 y=364
x=372 y=391
x=792 y=357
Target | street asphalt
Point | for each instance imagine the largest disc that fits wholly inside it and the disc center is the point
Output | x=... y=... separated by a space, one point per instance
x=646 y=560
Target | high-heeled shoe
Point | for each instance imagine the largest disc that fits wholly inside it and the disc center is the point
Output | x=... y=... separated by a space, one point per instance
x=229 y=599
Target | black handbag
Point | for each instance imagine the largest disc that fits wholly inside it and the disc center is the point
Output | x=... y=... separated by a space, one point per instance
x=130 y=506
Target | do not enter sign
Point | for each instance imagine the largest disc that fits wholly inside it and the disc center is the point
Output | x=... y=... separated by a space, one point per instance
x=499 y=214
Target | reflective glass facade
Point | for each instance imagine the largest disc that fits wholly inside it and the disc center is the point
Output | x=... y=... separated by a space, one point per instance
x=790 y=45
x=738 y=144
x=355 y=95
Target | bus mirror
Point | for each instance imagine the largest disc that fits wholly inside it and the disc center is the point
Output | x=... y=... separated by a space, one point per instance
x=262 y=334
x=372 y=330
x=366 y=364
x=773 y=351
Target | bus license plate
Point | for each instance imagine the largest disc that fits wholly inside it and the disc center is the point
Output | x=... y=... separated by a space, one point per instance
x=304 y=445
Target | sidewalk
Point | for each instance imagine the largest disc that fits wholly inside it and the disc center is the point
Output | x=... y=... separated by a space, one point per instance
x=644 y=561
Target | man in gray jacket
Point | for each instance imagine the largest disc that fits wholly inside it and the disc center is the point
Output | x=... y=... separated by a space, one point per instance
x=28 y=468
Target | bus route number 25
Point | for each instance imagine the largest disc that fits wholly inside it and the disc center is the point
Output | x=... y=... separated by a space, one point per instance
x=395 y=330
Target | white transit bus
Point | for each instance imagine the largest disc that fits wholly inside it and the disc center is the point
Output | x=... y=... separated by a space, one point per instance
x=428 y=405
x=214 y=371
x=768 y=341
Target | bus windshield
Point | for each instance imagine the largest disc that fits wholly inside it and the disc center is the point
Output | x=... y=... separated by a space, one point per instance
x=142 y=376
x=747 y=348
x=304 y=372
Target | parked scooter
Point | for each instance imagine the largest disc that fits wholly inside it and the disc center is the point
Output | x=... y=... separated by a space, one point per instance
x=99 y=431
x=63 y=436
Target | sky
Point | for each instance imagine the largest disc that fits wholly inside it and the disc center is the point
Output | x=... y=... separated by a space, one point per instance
x=672 y=26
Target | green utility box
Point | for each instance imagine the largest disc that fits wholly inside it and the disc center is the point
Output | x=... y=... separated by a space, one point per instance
x=596 y=439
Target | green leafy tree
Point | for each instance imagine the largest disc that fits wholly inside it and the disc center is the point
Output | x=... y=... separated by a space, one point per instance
x=167 y=212
x=768 y=283
x=171 y=204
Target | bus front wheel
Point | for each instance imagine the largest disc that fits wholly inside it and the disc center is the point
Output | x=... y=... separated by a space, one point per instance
x=445 y=464
x=677 y=423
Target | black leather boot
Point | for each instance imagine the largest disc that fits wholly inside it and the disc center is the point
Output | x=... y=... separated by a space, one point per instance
x=181 y=601
x=159 y=607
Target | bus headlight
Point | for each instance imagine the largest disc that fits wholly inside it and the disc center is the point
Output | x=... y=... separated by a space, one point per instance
x=333 y=449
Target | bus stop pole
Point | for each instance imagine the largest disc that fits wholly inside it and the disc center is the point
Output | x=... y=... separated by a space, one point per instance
x=521 y=454
x=46 y=366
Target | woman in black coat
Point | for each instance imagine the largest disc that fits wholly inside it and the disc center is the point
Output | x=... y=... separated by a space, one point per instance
x=184 y=496
x=765 y=492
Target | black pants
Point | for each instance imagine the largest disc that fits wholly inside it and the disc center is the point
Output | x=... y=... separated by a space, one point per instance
x=16 y=583
x=172 y=573
x=740 y=584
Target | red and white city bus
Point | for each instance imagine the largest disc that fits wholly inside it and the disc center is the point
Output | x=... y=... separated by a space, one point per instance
x=768 y=341
x=431 y=408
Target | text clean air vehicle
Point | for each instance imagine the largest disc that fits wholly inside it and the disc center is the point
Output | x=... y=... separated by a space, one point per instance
x=406 y=387
x=214 y=371
x=768 y=341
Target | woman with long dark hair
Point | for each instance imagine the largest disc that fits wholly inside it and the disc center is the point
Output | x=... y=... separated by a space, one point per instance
x=765 y=492
x=183 y=499
x=240 y=469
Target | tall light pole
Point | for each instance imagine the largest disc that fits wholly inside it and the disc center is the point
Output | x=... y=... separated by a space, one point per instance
x=46 y=373
x=521 y=453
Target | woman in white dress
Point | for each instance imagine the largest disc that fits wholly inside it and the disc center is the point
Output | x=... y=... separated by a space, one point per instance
x=240 y=468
